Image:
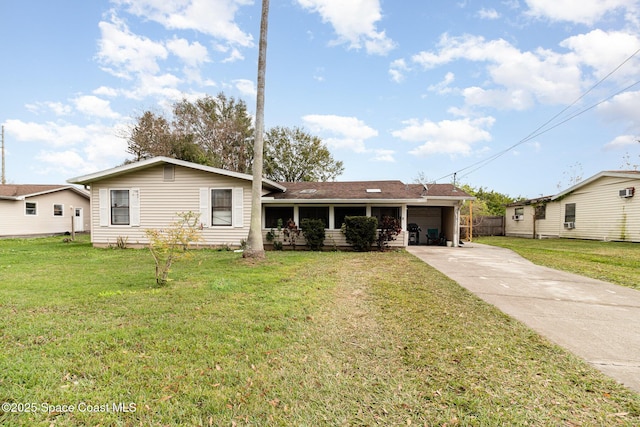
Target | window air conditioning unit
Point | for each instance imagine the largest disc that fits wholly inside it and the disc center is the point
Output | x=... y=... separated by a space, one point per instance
x=627 y=192
x=569 y=225
x=517 y=217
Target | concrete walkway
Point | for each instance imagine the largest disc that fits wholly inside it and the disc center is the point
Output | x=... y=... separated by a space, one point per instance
x=595 y=320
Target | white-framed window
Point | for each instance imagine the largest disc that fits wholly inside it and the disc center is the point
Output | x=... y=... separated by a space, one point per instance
x=119 y=200
x=30 y=208
x=222 y=207
x=58 y=210
x=119 y=207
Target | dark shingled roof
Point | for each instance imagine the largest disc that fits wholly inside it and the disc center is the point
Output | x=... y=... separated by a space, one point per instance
x=367 y=190
x=21 y=190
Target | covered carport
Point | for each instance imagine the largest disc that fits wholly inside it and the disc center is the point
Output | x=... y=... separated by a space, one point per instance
x=438 y=219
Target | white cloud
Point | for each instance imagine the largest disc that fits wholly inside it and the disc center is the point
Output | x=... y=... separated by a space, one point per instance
x=192 y=54
x=215 y=18
x=55 y=134
x=58 y=108
x=445 y=137
x=163 y=86
x=354 y=22
x=585 y=12
x=342 y=132
x=245 y=87
x=546 y=76
x=125 y=54
x=509 y=99
x=604 y=51
x=62 y=163
x=93 y=106
x=621 y=142
x=397 y=70
x=490 y=14
x=382 y=155
x=443 y=87
x=623 y=108
x=72 y=150
x=106 y=91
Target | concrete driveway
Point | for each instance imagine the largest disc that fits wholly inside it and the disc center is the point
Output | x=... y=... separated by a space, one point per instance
x=595 y=320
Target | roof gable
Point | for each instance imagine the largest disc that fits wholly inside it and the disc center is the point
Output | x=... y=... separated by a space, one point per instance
x=144 y=164
x=22 y=191
x=613 y=174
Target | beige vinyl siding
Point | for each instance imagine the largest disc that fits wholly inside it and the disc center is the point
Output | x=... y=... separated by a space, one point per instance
x=15 y=223
x=161 y=200
x=601 y=214
x=521 y=228
x=550 y=226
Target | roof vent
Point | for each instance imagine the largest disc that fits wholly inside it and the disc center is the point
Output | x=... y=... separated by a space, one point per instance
x=374 y=190
x=308 y=191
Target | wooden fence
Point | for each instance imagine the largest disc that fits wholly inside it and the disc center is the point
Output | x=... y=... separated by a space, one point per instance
x=482 y=226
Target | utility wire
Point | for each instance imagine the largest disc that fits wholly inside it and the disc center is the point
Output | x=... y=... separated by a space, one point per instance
x=539 y=130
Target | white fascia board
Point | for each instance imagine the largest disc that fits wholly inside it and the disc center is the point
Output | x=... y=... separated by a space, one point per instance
x=271 y=200
x=451 y=198
x=143 y=164
x=593 y=178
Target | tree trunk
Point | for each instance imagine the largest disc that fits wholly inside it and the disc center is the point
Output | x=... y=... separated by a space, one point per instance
x=255 y=246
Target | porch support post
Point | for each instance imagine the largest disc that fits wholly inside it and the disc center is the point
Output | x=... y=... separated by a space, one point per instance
x=404 y=213
x=456 y=225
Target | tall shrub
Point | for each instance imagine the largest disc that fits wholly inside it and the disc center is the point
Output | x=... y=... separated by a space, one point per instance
x=360 y=232
x=169 y=244
x=313 y=232
x=390 y=227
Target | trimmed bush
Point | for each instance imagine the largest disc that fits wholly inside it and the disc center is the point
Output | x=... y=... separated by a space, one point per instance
x=389 y=229
x=313 y=232
x=360 y=232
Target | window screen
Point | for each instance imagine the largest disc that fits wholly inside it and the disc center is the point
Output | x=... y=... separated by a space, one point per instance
x=120 y=207
x=221 y=213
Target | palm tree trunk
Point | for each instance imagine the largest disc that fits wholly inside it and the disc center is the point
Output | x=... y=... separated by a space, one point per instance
x=255 y=246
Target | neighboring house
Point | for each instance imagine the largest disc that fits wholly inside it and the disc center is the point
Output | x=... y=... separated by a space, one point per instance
x=31 y=210
x=602 y=207
x=128 y=199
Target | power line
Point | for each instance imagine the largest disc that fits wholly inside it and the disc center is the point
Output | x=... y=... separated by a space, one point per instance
x=539 y=130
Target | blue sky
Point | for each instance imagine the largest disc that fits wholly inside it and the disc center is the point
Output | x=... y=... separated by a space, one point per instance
x=396 y=89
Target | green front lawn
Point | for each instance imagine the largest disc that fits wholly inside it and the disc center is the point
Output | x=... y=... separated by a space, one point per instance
x=302 y=338
x=615 y=262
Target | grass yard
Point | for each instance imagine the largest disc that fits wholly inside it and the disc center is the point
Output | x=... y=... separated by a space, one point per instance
x=614 y=262
x=304 y=339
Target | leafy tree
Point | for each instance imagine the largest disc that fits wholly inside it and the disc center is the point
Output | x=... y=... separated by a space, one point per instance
x=151 y=136
x=221 y=127
x=488 y=202
x=212 y=131
x=293 y=155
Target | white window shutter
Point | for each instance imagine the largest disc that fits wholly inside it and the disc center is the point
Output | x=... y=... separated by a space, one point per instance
x=204 y=207
x=134 y=207
x=238 y=207
x=103 y=205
